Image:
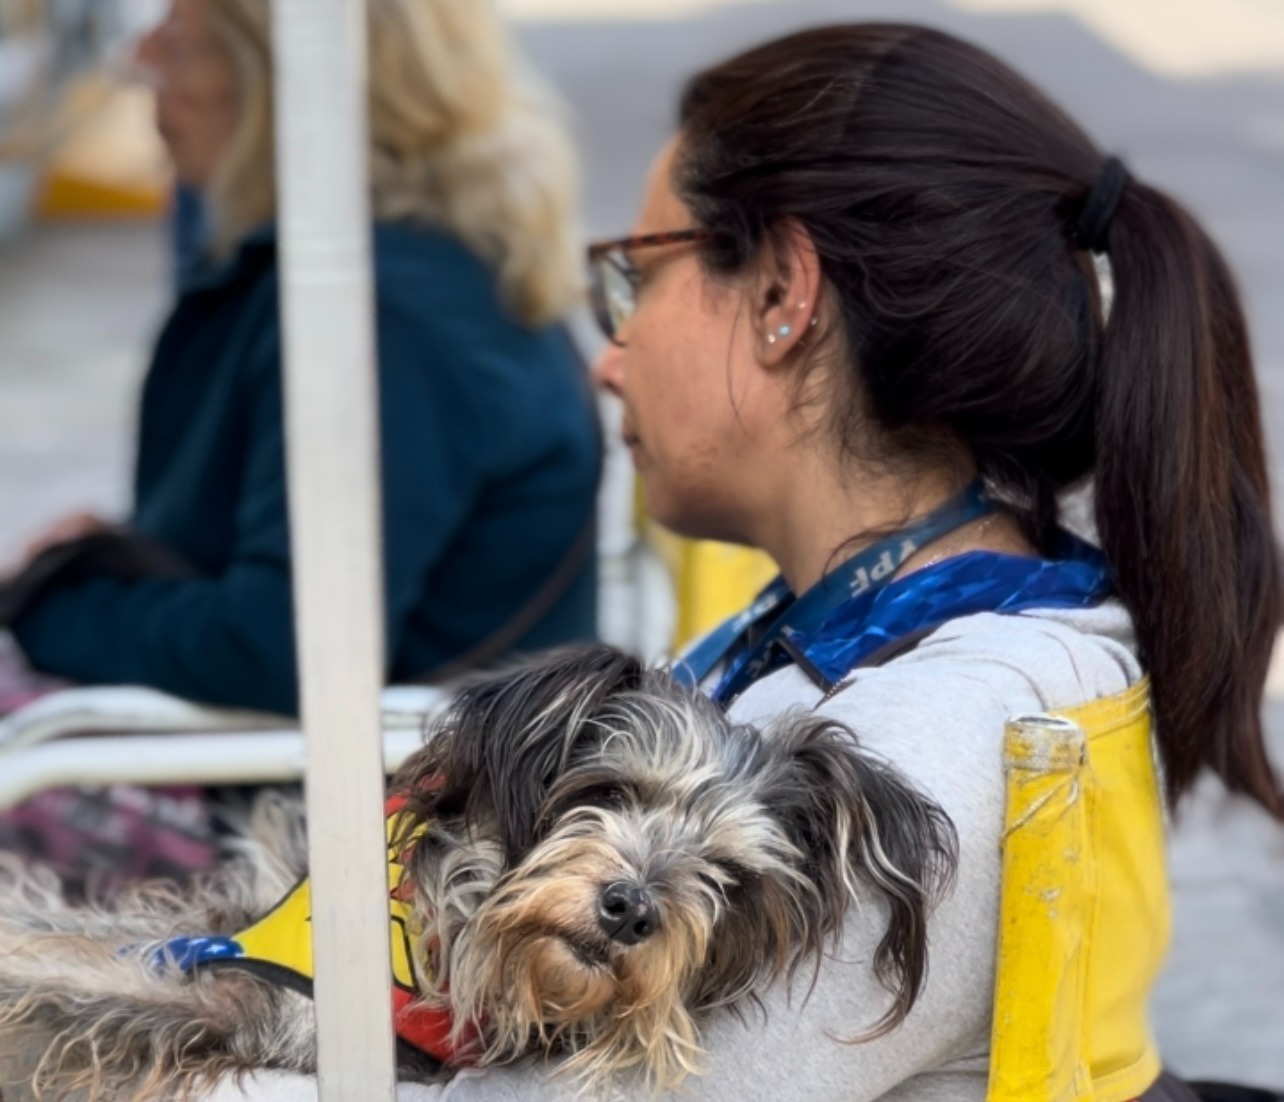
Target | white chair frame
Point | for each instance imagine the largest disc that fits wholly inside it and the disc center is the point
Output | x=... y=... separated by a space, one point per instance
x=127 y=735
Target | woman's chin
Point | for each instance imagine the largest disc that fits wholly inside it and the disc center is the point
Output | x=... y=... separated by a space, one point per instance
x=685 y=516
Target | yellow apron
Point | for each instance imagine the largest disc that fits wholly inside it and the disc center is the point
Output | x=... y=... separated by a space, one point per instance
x=1085 y=914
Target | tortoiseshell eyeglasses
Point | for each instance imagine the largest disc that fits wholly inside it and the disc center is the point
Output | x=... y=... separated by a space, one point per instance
x=614 y=278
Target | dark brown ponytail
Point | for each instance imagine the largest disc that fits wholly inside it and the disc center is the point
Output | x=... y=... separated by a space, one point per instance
x=945 y=195
x=1183 y=502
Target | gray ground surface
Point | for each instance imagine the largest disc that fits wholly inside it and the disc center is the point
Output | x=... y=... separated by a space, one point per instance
x=78 y=305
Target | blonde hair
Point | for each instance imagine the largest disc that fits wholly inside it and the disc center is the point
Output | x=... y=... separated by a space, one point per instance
x=461 y=138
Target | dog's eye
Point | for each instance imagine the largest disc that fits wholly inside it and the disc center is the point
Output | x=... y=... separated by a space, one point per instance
x=735 y=875
x=608 y=796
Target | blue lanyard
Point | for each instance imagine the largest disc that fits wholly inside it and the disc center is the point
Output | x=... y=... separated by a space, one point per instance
x=864 y=573
x=913 y=607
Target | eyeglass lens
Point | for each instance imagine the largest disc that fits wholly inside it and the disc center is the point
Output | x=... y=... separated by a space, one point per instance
x=617 y=293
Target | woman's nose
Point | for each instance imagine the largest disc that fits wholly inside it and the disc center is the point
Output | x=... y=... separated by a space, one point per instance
x=608 y=370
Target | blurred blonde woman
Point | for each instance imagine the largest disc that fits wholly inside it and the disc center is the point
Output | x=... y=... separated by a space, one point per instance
x=461 y=139
x=490 y=448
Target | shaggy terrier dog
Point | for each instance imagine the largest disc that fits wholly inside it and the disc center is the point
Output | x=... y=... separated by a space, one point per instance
x=586 y=861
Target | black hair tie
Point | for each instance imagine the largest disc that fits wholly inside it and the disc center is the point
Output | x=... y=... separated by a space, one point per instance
x=1092 y=230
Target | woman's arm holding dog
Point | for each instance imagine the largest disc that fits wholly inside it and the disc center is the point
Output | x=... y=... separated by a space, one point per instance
x=800 y=1045
x=796 y=1047
x=938 y=717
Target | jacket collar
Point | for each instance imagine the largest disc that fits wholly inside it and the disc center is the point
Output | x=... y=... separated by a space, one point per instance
x=213 y=273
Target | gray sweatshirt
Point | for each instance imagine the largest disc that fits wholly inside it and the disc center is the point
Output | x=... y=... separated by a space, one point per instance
x=937 y=713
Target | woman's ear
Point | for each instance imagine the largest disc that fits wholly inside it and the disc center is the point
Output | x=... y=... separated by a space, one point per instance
x=786 y=305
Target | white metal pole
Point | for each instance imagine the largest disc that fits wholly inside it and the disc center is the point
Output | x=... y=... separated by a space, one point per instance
x=332 y=444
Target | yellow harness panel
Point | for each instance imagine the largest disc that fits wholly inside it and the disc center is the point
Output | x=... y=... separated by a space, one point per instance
x=1085 y=915
x=278 y=948
x=283 y=937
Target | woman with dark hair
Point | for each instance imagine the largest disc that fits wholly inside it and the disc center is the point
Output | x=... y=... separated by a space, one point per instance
x=884 y=305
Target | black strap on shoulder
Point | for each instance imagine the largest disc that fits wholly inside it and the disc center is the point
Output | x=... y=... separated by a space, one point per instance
x=890 y=651
x=513 y=630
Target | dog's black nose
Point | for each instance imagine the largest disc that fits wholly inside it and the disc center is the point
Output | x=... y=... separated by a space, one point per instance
x=627 y=913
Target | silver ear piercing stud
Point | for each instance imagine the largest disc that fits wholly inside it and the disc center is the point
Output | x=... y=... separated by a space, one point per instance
x=785 y=331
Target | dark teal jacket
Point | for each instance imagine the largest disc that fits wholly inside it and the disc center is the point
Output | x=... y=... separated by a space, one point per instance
x=490 y=468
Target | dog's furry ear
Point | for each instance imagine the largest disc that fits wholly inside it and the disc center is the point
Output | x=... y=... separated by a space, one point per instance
x=862 y=828
x=507 y=736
